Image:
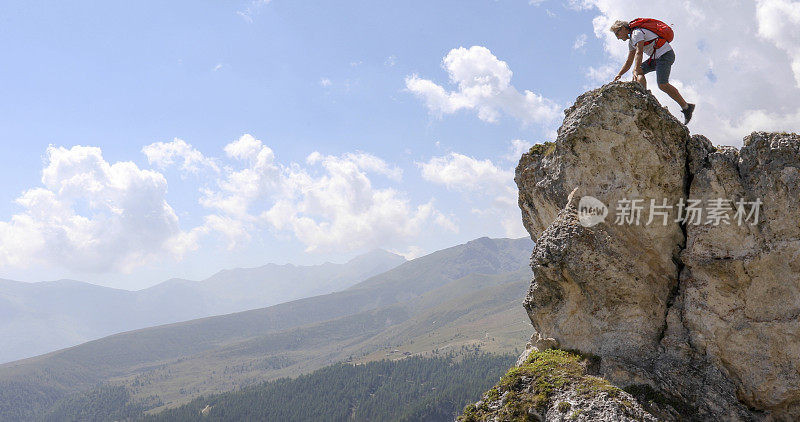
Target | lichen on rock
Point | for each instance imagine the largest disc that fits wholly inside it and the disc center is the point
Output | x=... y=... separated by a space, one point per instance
x=554 y=385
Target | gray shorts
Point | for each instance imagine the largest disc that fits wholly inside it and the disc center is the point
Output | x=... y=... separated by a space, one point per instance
x=662 y=66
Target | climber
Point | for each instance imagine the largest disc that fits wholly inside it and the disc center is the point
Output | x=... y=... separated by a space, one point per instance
x=642 y=40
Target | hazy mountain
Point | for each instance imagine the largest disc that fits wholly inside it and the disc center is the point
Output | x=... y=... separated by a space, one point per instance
x=250 y=288
x=464 y=295
x=37 y=318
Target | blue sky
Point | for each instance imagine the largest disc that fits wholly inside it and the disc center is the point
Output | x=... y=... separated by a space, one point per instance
x=363 y=85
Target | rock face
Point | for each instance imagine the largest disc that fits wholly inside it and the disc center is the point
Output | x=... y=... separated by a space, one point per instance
x=699 y=316
x=741 y=284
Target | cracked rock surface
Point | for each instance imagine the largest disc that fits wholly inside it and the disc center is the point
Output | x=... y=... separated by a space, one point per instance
x=703 y=318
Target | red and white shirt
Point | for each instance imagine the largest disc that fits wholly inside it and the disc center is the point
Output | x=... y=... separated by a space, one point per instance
x=641 y=34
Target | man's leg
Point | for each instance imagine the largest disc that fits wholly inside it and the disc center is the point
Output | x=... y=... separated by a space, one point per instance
x=647 y=67
x=663 y=68
x=642 y=80
x=673 y=93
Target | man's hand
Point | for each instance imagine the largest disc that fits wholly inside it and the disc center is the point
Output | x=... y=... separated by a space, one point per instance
x=626 y=66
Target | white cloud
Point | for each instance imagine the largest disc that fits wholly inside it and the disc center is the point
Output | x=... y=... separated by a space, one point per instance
x=217 y=67
x=234 y=230
x=779 y=22
x=325 y=82
x=602 y=74
x=484 y=85
x=245 y=148
x=239 y=190
x=517 y=148
x=252 y=8
x=390 y=61
x=412 y=252
x=460 y=172
x=368 y=162
x=328 y=203
x=739 y=64
x=580 y=41
x=484 y=182
x=341 y=209
x=579 y=5
x=165 y=154
x=90 y=215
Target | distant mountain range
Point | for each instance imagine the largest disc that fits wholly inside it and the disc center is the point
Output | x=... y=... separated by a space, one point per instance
x=464 y=296
x=37 y=318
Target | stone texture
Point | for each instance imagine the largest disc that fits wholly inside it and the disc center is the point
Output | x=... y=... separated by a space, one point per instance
x=599 y=407
x=707 y=317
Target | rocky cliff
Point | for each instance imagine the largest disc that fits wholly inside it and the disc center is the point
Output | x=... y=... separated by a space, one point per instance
x=670 y=267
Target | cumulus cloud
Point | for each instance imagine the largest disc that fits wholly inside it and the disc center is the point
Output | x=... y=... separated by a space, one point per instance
x=483 y=84
x=460 y=172
x=329 y=202
x=91 y=215
x=165 y=154
x=238 y=190
x=482 y=181
x=739 y=64
x=341 y=209
x=580 y=41
x=247 y=148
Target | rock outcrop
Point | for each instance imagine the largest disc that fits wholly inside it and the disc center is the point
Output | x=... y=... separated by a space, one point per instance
x=555 y=385
x=693 y=305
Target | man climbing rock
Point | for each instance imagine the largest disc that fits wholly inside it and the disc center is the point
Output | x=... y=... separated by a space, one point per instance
x=651 y=37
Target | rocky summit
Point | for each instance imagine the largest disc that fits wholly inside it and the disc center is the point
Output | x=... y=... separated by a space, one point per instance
x=664 y=265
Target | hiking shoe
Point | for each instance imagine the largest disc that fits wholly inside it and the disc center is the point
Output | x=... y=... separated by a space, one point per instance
x=687 y=113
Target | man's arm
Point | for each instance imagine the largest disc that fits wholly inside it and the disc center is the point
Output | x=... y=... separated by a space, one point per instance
x=638 y=60
x=626 y=66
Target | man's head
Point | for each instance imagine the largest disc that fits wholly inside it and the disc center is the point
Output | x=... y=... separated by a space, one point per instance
x=621 y=30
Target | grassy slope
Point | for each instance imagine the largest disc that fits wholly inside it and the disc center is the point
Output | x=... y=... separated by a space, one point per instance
x=413 y=389
x=385 y=333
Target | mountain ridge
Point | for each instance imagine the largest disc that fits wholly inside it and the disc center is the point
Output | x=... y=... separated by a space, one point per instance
x=179 y=361
x=48 y=315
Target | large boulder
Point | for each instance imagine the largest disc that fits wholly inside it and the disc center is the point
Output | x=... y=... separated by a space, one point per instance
x=604 y=289
x=701 y=312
